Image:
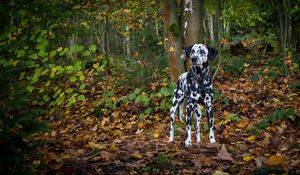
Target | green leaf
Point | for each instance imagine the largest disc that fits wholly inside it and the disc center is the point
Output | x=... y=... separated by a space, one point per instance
x=70 y=101
x=132 y=96
x=53 y=53
x=81 y=97
x=82 y=86
x=86 y=53
x=137 y=91
x=81 y=77
x=20 y=53
x=73 y=79
x=148 y=111
x=42 y=53
x=77 y=65
x=93 y=48
x=69 y=90
x=64 y=52
x=30 y=88
x=34 y=56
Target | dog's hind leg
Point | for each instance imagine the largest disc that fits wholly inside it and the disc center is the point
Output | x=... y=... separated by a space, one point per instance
x=210 y=118
x=181 y=104
x=198 y=118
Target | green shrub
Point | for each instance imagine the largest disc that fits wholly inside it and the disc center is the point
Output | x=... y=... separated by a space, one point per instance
x=18 y=122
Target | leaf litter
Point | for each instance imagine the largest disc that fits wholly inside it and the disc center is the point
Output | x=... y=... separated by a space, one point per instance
x=119 y=141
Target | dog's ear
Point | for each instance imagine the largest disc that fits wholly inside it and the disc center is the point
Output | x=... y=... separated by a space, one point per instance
x=212 y=53
x=186 y=52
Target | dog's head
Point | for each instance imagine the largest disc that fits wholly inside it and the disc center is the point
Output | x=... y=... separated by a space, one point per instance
x=199 y=54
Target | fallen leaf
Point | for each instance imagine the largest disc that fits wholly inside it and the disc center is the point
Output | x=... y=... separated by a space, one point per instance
x=107 y=156
x=242 y=124
x=276 y=159
x=136 y=156
x=248 y=158
x=217 y=172
x=197 y=163
x=95 y=128
x=96 y=145
x=104 y=120
x=266 y=140
x=139 y=131
x=251 y=138
x=224 y=154
x=156 y=135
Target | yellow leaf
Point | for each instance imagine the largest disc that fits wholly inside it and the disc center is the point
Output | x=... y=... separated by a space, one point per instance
x=248 y=158
x=96 y=145
x=114 y=99
x=65 y=156
x=156 y=135
x=171 y=49
x=59 y=49
x=251 y=138
x=136 y=156
x=96 y=65
x=275 y=160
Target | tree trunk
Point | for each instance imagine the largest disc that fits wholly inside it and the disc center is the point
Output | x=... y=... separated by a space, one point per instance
x=193 y=12
x=127 y=41
x=174 y=39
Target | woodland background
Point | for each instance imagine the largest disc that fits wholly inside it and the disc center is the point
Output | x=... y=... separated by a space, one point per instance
x=86 y=86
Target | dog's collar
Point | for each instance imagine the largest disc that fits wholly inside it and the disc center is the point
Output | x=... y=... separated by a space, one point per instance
x=193 y=71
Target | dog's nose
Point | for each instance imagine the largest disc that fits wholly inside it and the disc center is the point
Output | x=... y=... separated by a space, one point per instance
x=194 y=59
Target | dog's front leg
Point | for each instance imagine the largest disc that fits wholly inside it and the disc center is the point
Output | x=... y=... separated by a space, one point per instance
x=189 y=114
x=198 y=118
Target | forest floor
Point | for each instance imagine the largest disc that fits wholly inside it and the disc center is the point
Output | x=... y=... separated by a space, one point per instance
x=120 y=142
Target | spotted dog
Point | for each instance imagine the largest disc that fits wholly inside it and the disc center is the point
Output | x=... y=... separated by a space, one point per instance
x=196 y=86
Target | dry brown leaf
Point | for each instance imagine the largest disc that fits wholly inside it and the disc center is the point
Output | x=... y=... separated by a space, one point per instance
x=104 y=120
x=95 y=128
x=224 y=154
x=266 y=140
x=139 y=131
x=107 y=156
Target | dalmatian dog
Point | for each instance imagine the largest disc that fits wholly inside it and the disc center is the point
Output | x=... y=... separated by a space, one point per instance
x=196 y=86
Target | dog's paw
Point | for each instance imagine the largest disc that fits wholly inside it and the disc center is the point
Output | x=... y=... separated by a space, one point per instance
x=188 y=143
x=212 y=140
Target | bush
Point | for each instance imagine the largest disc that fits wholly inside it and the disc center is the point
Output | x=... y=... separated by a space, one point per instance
x=18 y=122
